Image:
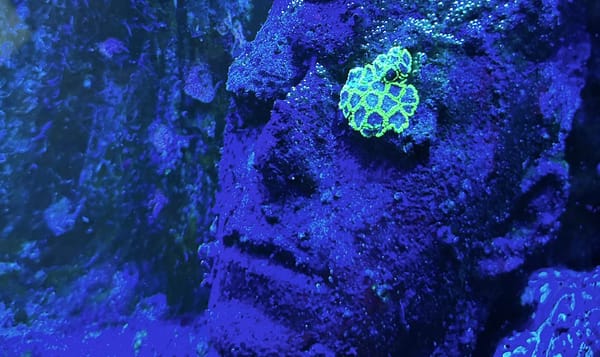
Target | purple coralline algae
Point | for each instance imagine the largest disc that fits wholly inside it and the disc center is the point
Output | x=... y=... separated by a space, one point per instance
x=93 y=117
x=293 y=34
x=156 y=204
x=167 y=145
x=111 y=47
x=61 y=216
x=566 y=317
x=199 y=83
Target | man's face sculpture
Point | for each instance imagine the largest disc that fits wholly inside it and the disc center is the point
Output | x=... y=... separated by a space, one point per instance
x=333 y=242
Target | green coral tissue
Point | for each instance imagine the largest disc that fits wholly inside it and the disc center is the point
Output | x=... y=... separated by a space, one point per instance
x=377 y=98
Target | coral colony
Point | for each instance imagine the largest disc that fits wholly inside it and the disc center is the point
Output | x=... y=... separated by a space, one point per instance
x=376 y=98
x=299 y=178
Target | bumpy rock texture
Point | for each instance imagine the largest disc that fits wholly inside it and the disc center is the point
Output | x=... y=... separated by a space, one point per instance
x=329 y=242
x=566 y=320
x=108 y=143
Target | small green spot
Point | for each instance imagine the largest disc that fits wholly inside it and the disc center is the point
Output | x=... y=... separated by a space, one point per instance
x=354 y=100
x=378 y=86
x=395 y=90
x=359 y=118
x=388 y=103
x=372 y=100
x=398 y=121
x=377 y=98
x=375 y=120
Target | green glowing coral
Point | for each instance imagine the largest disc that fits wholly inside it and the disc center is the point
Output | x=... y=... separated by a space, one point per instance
x=376 y=97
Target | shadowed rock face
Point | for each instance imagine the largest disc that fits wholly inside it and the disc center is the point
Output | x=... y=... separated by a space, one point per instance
x=335 y=243
x=14 y=31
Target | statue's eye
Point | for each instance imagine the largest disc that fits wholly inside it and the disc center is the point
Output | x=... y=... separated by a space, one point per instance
x=390 y=75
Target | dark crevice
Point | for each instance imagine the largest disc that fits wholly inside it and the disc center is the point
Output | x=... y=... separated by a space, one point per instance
x=260 y=10
x=272 y=253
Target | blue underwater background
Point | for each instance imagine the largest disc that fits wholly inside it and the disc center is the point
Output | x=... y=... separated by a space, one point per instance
x=268 y=178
